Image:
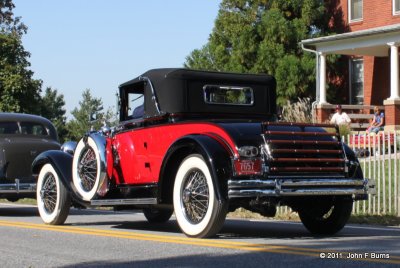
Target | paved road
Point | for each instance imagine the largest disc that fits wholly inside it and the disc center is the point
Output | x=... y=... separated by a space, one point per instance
x=93 y=238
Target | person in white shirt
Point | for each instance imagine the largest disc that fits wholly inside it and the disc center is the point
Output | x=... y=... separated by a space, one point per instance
x=340 y=118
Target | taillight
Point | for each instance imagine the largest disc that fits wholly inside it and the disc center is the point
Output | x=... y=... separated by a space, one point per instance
x=248 y=151
x=248 y=166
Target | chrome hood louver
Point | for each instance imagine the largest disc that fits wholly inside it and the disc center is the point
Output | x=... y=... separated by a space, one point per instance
x=296 y=149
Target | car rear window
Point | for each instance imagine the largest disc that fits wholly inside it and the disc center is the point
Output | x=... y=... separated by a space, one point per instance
x=228 y=95
x=25 y=128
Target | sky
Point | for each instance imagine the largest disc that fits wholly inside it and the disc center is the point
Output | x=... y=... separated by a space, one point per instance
x=99 y=44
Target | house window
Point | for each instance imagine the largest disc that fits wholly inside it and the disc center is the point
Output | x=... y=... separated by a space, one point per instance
x=396 y=7
x=355 y=10
x=357 y=81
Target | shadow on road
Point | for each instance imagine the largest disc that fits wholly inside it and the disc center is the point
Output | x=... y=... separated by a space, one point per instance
x=18 y=211
x=232 y=229
x=212 y=260
x=244 y=229
x=31 y=211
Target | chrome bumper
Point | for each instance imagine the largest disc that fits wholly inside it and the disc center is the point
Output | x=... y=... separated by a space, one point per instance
x=299 y=187
x=17 y=187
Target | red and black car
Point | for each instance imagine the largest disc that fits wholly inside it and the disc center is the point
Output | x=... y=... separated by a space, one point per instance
x=201 y=144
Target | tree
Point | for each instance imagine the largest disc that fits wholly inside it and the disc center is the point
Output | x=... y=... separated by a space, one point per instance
x=52 y=108
x=9 y=23
x=262 y=36
x=87 y=107
x=19 y=92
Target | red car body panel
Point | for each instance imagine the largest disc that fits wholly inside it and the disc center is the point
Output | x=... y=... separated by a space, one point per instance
x=141 y=151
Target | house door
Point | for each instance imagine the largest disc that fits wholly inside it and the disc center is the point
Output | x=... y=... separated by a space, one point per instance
x=356 y=81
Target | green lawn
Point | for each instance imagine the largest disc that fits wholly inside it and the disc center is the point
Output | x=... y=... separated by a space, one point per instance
x=28 y=201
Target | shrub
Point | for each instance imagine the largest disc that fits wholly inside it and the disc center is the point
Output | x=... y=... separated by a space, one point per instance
x=300 y=112
x=344 y=131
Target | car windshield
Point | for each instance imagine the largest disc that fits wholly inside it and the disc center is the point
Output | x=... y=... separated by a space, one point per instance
x=136 y=105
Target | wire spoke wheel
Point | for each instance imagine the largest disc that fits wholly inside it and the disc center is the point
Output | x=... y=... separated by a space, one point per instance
x=48 y=193
x=197 y=210
x=87 y=168
x=195 y=196
x=53 y=199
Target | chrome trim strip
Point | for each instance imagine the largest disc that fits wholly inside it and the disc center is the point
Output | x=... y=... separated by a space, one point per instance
x=122 y=202
x=296 y=192
x=250 y=183
x=327 y=182
x=305 y=177
x=300 y=187
x=101 y=143
x=153 y=92
x=294 y=182
x=17 y=187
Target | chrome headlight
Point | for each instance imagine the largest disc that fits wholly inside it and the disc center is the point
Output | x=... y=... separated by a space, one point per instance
x=69 y=147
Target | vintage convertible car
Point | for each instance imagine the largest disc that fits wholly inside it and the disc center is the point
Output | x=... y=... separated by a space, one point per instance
x=201 y=144
x=22 y=138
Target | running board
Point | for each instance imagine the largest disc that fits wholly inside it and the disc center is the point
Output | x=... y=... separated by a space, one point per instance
x=124 y=202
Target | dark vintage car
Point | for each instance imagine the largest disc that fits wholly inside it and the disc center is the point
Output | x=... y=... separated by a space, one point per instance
x=22 y=138
x=201 y=144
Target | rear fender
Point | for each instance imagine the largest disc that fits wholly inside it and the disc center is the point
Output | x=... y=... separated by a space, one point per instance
x=62 y=163
x=215 y=154
x=355 y=170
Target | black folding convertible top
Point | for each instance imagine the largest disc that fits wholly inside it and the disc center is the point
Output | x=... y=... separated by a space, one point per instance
x=182 y=91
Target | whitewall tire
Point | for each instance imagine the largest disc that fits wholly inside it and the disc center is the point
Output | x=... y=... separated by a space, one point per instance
x=86 y=169
x=197 y=210
x=53 y=199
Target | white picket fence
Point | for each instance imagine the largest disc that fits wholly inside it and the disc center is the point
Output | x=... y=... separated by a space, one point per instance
x=379 y=157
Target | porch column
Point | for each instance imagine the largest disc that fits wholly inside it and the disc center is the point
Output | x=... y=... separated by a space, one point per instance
x=392 y=104
x=323 y=108
x=394 y=71
x=322 y=78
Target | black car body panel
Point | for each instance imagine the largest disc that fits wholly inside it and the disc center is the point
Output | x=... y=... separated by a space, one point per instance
x=22 y=138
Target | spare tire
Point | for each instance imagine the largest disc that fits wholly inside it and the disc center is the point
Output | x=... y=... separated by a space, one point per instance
x=89 y=167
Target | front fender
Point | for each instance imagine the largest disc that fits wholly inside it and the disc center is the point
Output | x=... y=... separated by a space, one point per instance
x=62 y=163
x=216 y=156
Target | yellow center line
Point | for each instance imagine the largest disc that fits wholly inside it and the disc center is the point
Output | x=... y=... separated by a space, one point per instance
x=189 y=241
x=162 y=237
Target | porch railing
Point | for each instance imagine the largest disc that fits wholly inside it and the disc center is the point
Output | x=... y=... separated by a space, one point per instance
x=360 y=115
